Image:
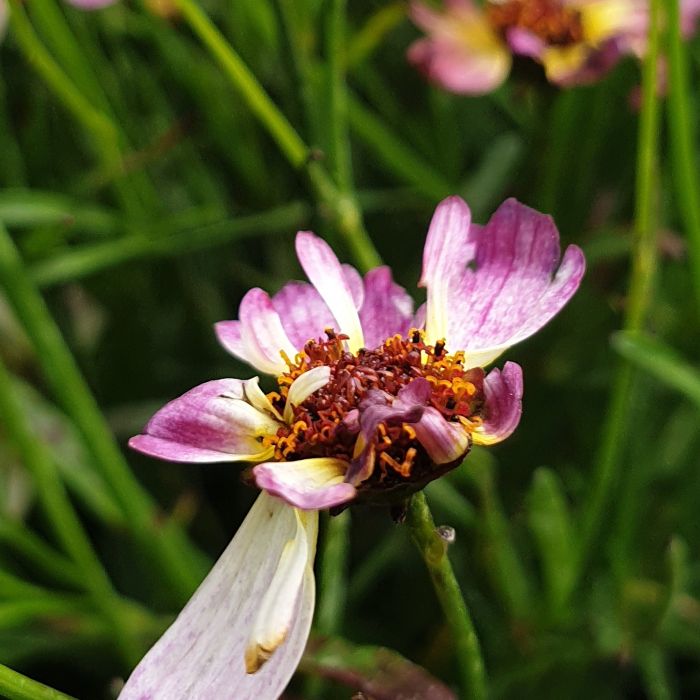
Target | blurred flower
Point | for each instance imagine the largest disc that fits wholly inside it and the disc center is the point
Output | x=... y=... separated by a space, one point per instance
x=373 y=402
x=469 y=48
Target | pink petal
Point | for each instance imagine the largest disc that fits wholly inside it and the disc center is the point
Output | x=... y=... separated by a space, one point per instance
x=504 y=398
x=448 y=247
x=461 y=53
x=387 y=308
x=310 y=484
x=211 y=423
x=516 y=284
x=330 y=279
x=304 y=314
x=201 y=655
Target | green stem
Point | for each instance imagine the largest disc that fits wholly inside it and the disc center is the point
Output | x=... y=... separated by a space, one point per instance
x=434 y=551
x=165 y=543
x=61 y=515
x=683 y=148
x=609 y=459
x=15 y=686
x=341 y=207
x=338 y=143
x=333 y=585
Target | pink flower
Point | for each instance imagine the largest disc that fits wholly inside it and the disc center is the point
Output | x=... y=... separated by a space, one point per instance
x=373 y=402
x=469 y=49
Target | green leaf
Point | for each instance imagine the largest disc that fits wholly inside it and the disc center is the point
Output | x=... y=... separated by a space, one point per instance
x=661 y=361
x=550 y=522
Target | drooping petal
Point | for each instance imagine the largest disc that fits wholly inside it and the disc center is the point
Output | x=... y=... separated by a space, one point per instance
x=202 y=655
x=303 y=386
x=278 y=606
x=461 y=53
x=211 y=423
x=326 y=274
x=315 y=483
x=503 y=391
x=505 y=285
x=448 y=248
x=387 y=308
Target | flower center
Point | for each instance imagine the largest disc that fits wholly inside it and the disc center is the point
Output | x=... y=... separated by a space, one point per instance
x=550 y=20
x=334 y=420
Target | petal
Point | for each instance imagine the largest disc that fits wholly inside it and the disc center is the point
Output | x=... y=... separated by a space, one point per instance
x=201 y=656
x=210 y=423
x=304 y=314
x=278 y=606
x=306 y=483
x=326 y=274
x=444 y=441
x=504 y=397
x=448 y=247
x=462 y=53
x=4 y=17
x=257 y=398
x=387 y=308
x=263 y=336
x=303 y=386
x=512 y=287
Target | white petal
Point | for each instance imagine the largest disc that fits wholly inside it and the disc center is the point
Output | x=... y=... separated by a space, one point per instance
x=326 y=274
x=258 y=398
x=276 y=611
x=201 y=656
x=303 y=386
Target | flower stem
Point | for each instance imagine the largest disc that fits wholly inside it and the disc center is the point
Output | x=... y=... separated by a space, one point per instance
x=608 y=464
x=15 y=686
x=434 y=551
x=682 y=146
x=342 y=208
x=165 y=543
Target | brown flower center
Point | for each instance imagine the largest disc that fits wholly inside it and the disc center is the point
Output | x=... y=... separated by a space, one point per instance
x=328 y=423
x=551 y=20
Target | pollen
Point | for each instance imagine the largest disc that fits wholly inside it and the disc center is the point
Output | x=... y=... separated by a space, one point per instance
x=329 y=422
x=553 y=21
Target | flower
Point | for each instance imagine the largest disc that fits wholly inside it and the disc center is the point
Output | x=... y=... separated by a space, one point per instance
x=469 y=49
x=373 y=402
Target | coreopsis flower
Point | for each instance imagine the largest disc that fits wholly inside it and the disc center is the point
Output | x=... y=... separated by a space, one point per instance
x=372 y=402
x=469 y=48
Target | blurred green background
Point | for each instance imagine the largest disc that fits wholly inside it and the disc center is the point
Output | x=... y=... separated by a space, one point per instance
x=147 y=180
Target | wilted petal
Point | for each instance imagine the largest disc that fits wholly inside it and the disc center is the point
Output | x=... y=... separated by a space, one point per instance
x=387 y=308
x=202 y=655
x=514 y=283
x=461 y=53
x=210 y=423
x=303 y=386
x=330 y=279
x=278 y=606
x=503 y=390
x=306 y=483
